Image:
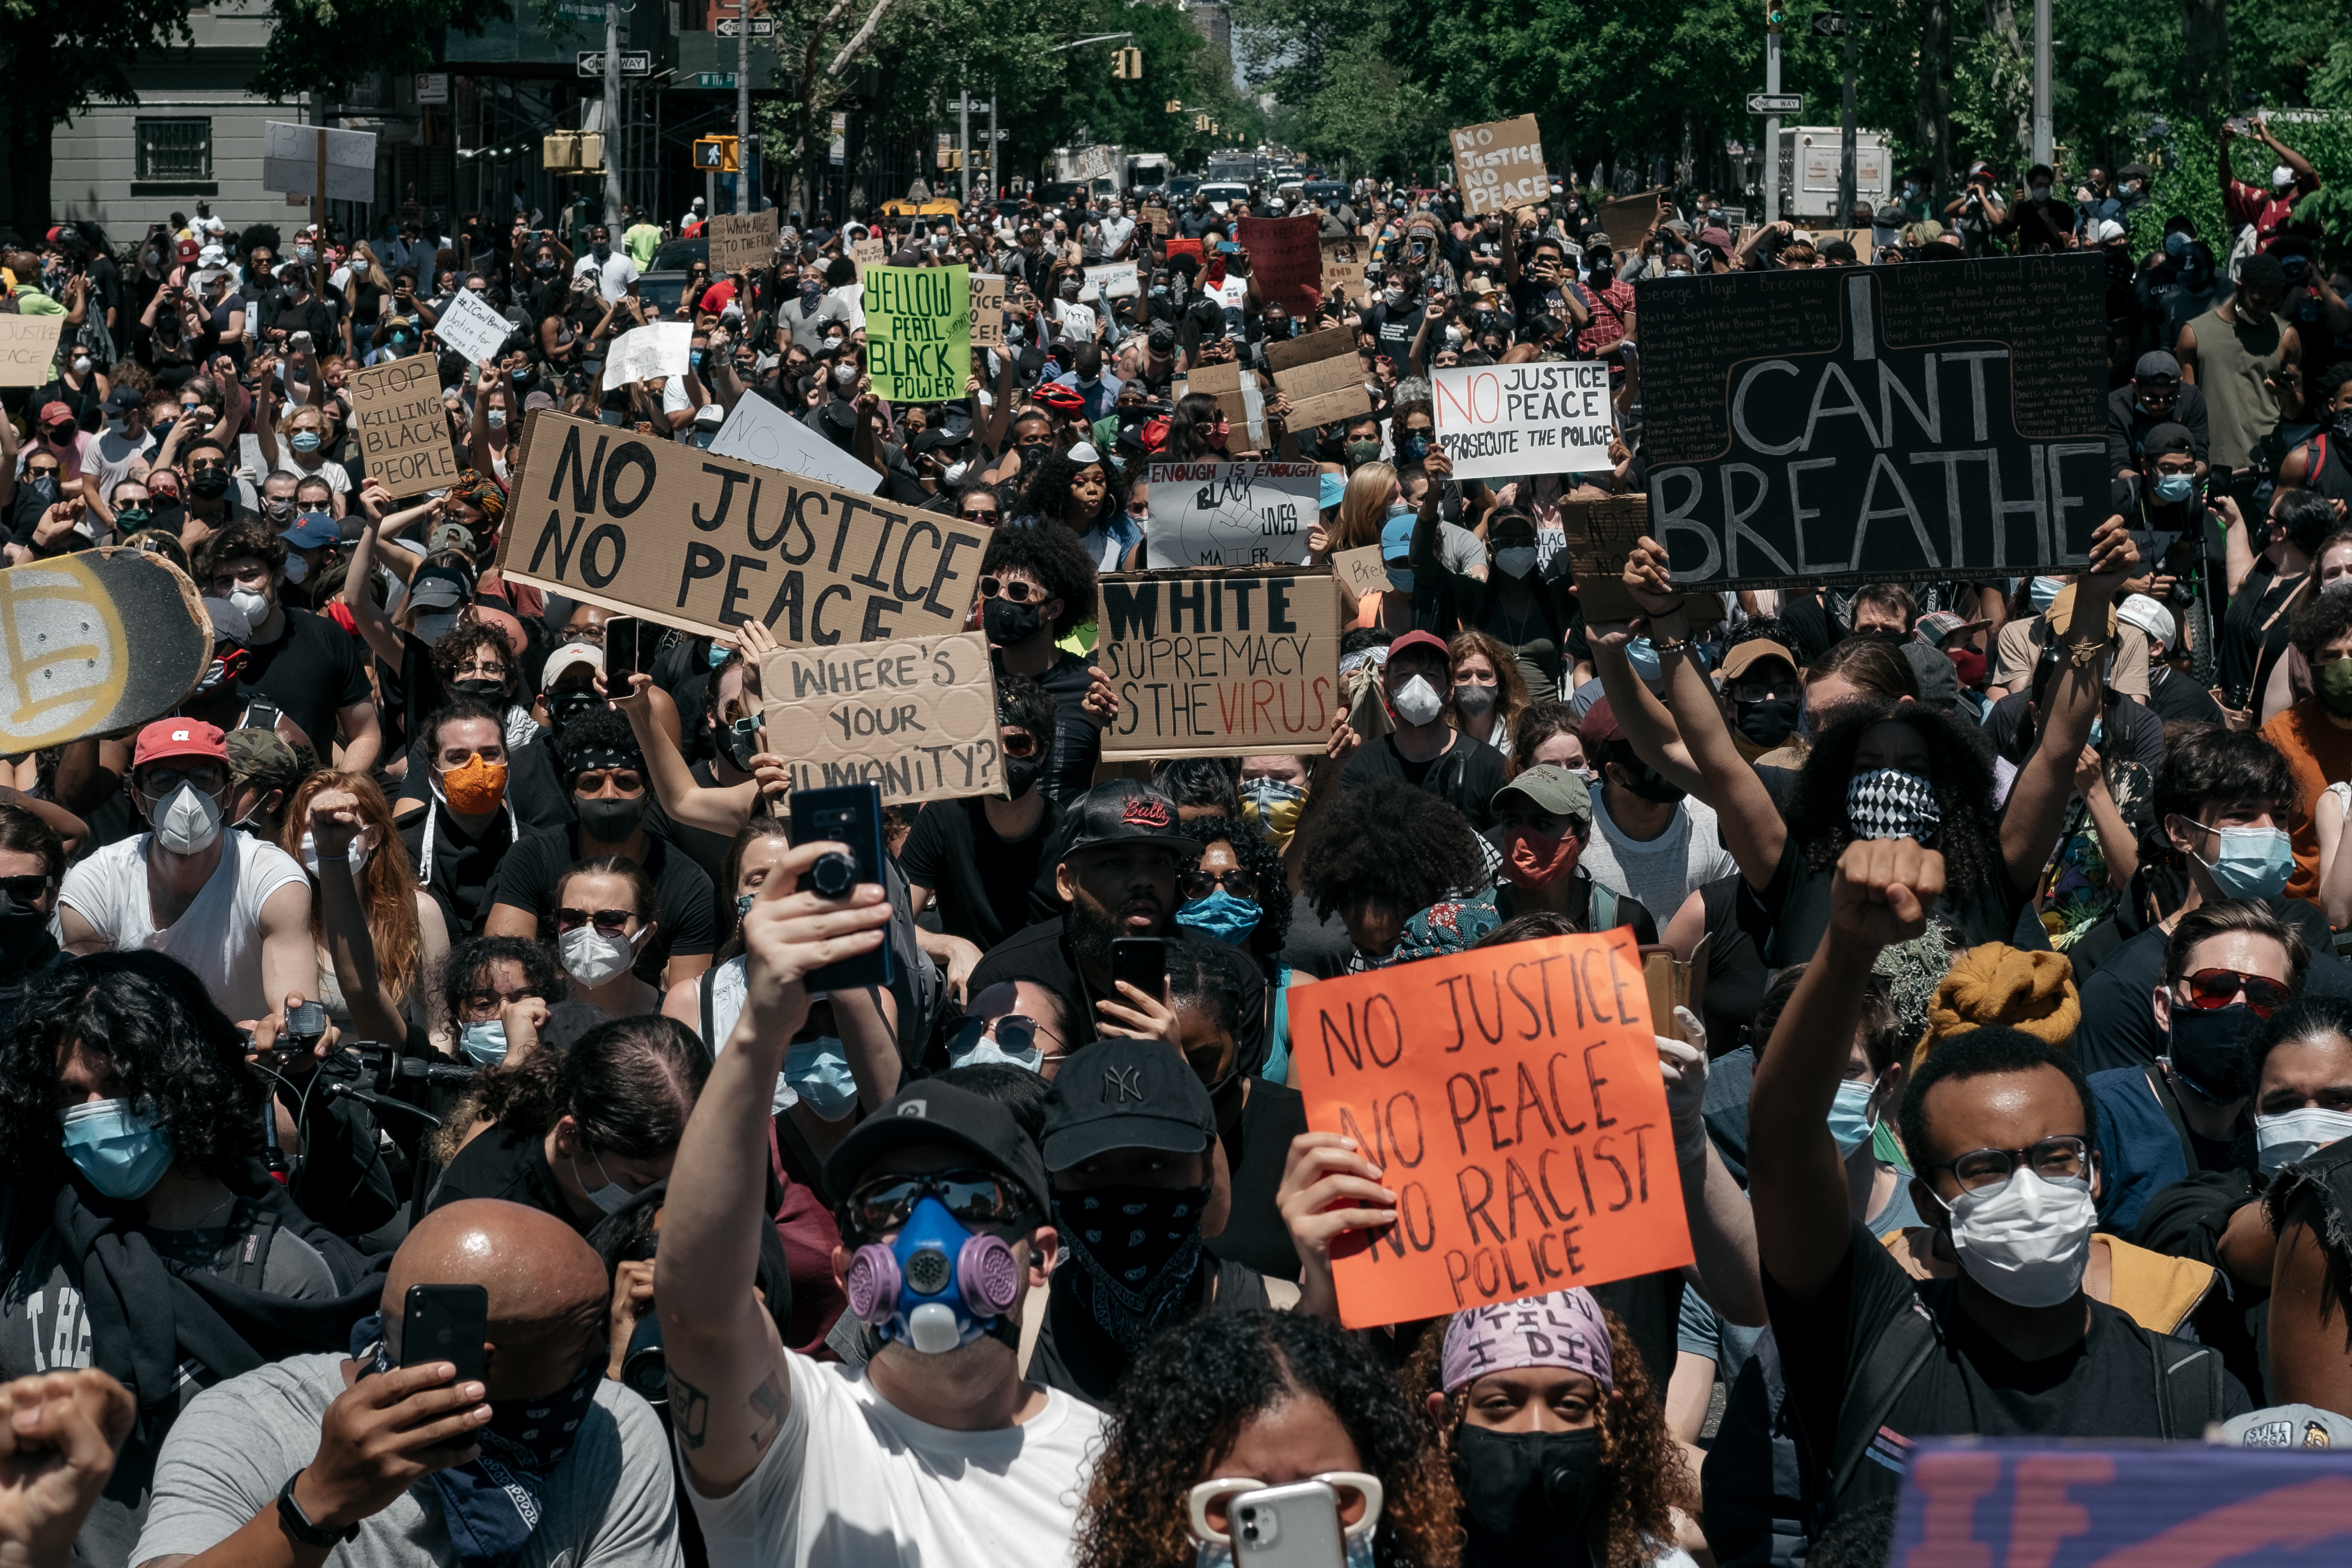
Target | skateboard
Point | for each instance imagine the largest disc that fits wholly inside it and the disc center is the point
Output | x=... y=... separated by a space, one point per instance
x=95 y=643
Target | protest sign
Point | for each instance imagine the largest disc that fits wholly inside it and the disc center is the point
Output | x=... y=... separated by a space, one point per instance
x=1287 y=259
x=1879 y=425
x=1158 y=218
x=916 y=715
x=470 y=327
x=1600 y=534
x=1231 y=514
x=865 y=253
x=1212 y=663
x=2007 y=1502
x=1237 y=396
x=1322 y=373
x=1500 y=165
x=660 y=349
x=740 y=242
x=1542 y=417
x=289 y=161
x=402 y=429
x=1343 y=280
x=1111 y=280
x=28 y=346
x=918 y=332
x=690 y=539
x=987 y=310
x=1626 y=220
x=1511 y=1096
x=1362 y=571
x=757 y=431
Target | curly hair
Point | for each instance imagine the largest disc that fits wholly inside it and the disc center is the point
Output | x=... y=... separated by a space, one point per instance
x=1053 y=557
x=2320 y=623
x=462 y=970
x=1263 y=862
x=241 y=538
x=1046 y=495
x=1390 y=843
x=1969 y=836
x=1026 y=703
x=459 y=645
x=178 y=1057
x=1641 y=1466
x=1186 y=1399
x=600 y=730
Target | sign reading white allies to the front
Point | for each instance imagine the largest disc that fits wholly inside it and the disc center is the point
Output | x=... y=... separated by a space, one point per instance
x=1941 y=420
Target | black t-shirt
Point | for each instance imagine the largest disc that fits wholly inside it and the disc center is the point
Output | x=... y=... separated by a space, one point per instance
x=463 y=870
x=2173 y=695
x=534 y=781
x=1813 y=630
x=979 y=882
x=704 y=848
x=1078 y=742
x=528 y=875
x=1254 y=1152
x=311 y=672
x=505 y=1165
x=2119 y=1027
x=2131 y=734
x=1466 y=774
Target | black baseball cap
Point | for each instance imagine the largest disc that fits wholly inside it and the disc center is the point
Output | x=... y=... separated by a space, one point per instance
x=1126 y=1094
x=1126 y=812
x=931 y=1112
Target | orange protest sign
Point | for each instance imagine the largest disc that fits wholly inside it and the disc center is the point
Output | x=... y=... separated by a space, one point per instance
x=1511 y=1097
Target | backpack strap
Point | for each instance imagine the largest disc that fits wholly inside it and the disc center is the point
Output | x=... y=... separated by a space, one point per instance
x=1894 y=1359
x=1605 y=908
x=2187 y=1401
x=710 y=1021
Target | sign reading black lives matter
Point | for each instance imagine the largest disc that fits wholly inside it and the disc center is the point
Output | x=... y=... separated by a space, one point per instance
x=1889 y=424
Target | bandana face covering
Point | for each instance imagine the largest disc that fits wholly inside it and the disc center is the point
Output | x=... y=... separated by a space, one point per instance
x=1888 y=803
x=1139 y=1247
x=1533 y=859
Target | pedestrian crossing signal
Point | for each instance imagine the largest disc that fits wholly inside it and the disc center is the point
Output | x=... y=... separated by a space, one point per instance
x=715 y=153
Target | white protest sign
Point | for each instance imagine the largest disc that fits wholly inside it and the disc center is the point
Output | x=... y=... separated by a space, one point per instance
x=1112 y=280
x=660 y=349
x=757 y=431
x=289 y=161
x=1538 y=418
x=1231 y=514
x=471 y=328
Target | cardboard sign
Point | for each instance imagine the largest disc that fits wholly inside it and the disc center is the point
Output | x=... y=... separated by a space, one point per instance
x=28 y=347
x=470 y=327
x=693 y=539
x=1362 y=571
x=1876 y=425
x=865 y=253
x=1323 y=375
x=757 y=431
x=1224 y=383
x=1231 y=514
x=987 y=310
x=918 y=332
x=917 y=717
x=1286 y=258
x=1343 y=280
x=1209 y=663
x=1627 y=220
x=660 y=349
x=1535 y=418
x=1111 y=280
x=2005 y=1502
x=1511 y=1097
x=404 y=432
x=1500 y=165
x=1159 y=219
x=289 y=161
x=1601 y=532
x=740 y=242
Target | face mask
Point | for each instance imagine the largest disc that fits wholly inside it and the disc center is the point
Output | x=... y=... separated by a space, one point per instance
x=2043 y=591
x=276 y=510
x=1888 y=803
x=2333 y=682
x=1417 y=701
x=1139 y=1247
x=592 y=958
x=818 y=1071
x=1006 y=623
x=82 y=364
x=134 y=518
x=356 y=853
x=484 y=1044
x=2027 y=1239
x=2298 y=1134
x=1392 y=297
x=211 y=484
x=1361 y=451
x=1222 y=916
x=118 y=1151
x=481 y=688
x=2281 y=177
x=1768 y=723
x=2040 y=192
x=497 y=418
x=1472 y=699
x=2176 y=244
x=1275 y=805
x=604 y=252
x=476 y=789
x=2208 y=1048
x=1850 y=1123
x=1515 y=561
x=1401 y=578
x=1532 y=860
x=1652 y=785
x=612 y=1197
x=43 y=488
x=610 y=821
x=429 y=628
x=2174 y=488
x=307 y=440
x=2255 y=863
x=935 y=1286
x=740 y=740
x=185 y=822
x=1527 y=1490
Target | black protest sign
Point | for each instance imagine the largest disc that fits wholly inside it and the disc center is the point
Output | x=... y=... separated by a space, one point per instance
x=1887 y=423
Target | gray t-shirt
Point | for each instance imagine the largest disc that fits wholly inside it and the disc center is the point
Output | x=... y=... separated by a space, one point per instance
x=1660 y=872
x=611 y=1501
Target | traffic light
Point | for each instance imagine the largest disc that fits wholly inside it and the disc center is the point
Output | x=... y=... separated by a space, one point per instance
x=1127 y=63
x=1175 y=106
x=1200 y=122
x=715 y=153
x=1776 y=14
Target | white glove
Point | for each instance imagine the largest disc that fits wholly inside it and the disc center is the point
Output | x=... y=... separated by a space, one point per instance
x=1684 y=1068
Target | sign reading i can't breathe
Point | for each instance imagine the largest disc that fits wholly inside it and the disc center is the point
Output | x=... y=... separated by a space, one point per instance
x=1511 y=1096
x=1544 y=417
x=919 y=332
x=1880 y=424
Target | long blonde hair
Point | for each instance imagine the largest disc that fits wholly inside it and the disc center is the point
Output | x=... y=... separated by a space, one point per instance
x=374 y=271
x=1364 y=506
x=387 y=883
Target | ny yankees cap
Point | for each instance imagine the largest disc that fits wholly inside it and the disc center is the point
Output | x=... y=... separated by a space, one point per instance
x=1126 y=1094
x=930 y=1112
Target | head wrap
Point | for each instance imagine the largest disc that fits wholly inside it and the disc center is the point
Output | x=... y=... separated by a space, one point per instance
x=483 y=493
x=1563 y=1328
x=2000 y=985
x=1451 y=925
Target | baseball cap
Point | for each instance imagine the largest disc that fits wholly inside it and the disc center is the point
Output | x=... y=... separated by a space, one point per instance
x=568 y=657
x=2151 y=617
x=1754 y=652
x=1939 y=678
x=1551 y=787
x=187 y=251
x=1124 y=1094
x=536 y=402
x=2167 y=439
x=1600 y=726
x=316 y=531
x=54 y=413
x=450 y=536
x=2155 y=365
x=2061 y=611
x=1412 y=640
x=170 y=737
x=437 y=588
x=2286 y=1426
x=1938 y=624
x=123 y=399
x=931 y=1112
x=709 y=416
x=1396 y=536
x=260 y=756
x=1125 y=812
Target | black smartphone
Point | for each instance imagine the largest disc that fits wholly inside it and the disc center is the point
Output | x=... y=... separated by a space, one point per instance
x=851 y=815
x=1142 y=961
x=445 y=1322
x=623 y=656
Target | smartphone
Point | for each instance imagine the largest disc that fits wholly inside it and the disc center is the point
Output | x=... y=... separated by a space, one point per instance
x=1142 y=961
x=851 y=815
x=623 y=654
x=445 y=1322
x=1294 y=1526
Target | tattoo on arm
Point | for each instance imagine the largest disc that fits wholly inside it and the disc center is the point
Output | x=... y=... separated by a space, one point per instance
x=689 y=1412
x=768 y=1410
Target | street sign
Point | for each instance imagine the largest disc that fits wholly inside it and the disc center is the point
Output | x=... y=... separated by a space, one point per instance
x=432 y=86
x=1775 y=103
x=715 y=78
x=1829 y=24
x=634 y=62
x=730 y=27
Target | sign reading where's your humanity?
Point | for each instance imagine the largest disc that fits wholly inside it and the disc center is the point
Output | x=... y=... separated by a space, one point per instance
x=692 y=540
x=917 y=717
x=1221 y=663
x=1511 y=1096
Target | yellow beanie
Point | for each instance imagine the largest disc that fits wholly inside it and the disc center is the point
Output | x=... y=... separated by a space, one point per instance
x=2000 y=985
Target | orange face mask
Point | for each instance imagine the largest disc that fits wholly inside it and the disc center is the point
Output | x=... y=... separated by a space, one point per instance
x=476 y=789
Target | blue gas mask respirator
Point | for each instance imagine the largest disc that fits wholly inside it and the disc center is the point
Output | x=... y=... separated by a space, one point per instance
x=935 y=1286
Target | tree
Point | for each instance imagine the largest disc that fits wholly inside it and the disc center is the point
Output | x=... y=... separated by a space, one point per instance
x=61 y=57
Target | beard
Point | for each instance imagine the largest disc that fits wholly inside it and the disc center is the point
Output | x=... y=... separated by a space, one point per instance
x=1091 y=931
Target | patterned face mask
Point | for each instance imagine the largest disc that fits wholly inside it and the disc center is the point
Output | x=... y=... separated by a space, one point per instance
x=1888 y=803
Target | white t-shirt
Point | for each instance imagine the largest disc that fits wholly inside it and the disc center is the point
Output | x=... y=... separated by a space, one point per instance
x=116 y=458
x=1661 y=872
x=338 y=477
x=219 y=936
x=853 y=1481
x=612 y=275
x=1077 y=321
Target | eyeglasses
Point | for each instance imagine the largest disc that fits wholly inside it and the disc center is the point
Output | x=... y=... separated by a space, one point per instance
x=481 y=667
x=974 y=1196
x=2062 y=1158
x=47 y=472
x=2210 y=989
x=1241 y=882
x=1013 y=588
x=610 y=922
x=25 y=889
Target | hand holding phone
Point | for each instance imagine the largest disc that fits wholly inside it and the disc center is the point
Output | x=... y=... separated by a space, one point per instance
x=445 y=1322
x=850 y=815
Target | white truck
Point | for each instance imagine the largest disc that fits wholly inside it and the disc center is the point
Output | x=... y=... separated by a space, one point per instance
x=1146 y=172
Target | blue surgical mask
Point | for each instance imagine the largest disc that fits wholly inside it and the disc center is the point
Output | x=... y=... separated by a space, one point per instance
x=816 y=1071
x=2253 y=863
x=1850 y=1123
x=2174 y=488
x=612 y=1197
x=1222 y=916
x=2043 y=591
x=122 y=1152
x=484 y=1044
x=1401 y=578
x=306 y=441
x=717 y=655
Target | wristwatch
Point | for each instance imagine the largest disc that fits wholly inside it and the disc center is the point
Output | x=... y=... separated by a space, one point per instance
x=298 y=1523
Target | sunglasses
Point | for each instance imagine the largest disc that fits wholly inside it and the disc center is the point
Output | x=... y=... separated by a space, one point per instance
x=610 y=922
x=1239 y=882
x=1017 y=592
x=1014 y=1035
x=50 y=472
x=217 y=465
x=2210 y=989
x=25 y=889
x=979 y=514
x=976 y=1198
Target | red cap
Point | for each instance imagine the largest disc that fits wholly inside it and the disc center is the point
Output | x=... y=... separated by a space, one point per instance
x=1599 y=725
x=54 y=413
x=1420 y=640
x=189 y=251
x=170 y=737
x=1059 y=398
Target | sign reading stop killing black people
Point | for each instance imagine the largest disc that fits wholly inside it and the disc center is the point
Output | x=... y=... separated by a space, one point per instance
x=1889 y=424
x=693 y=539
x=918 y=332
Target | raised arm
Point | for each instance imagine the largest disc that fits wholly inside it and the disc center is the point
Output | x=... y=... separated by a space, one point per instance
x=343 y=920
x=1645 y=720
x=718 y=810
x=377 y=629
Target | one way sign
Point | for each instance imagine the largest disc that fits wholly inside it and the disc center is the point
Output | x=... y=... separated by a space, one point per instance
x=1775 y=103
